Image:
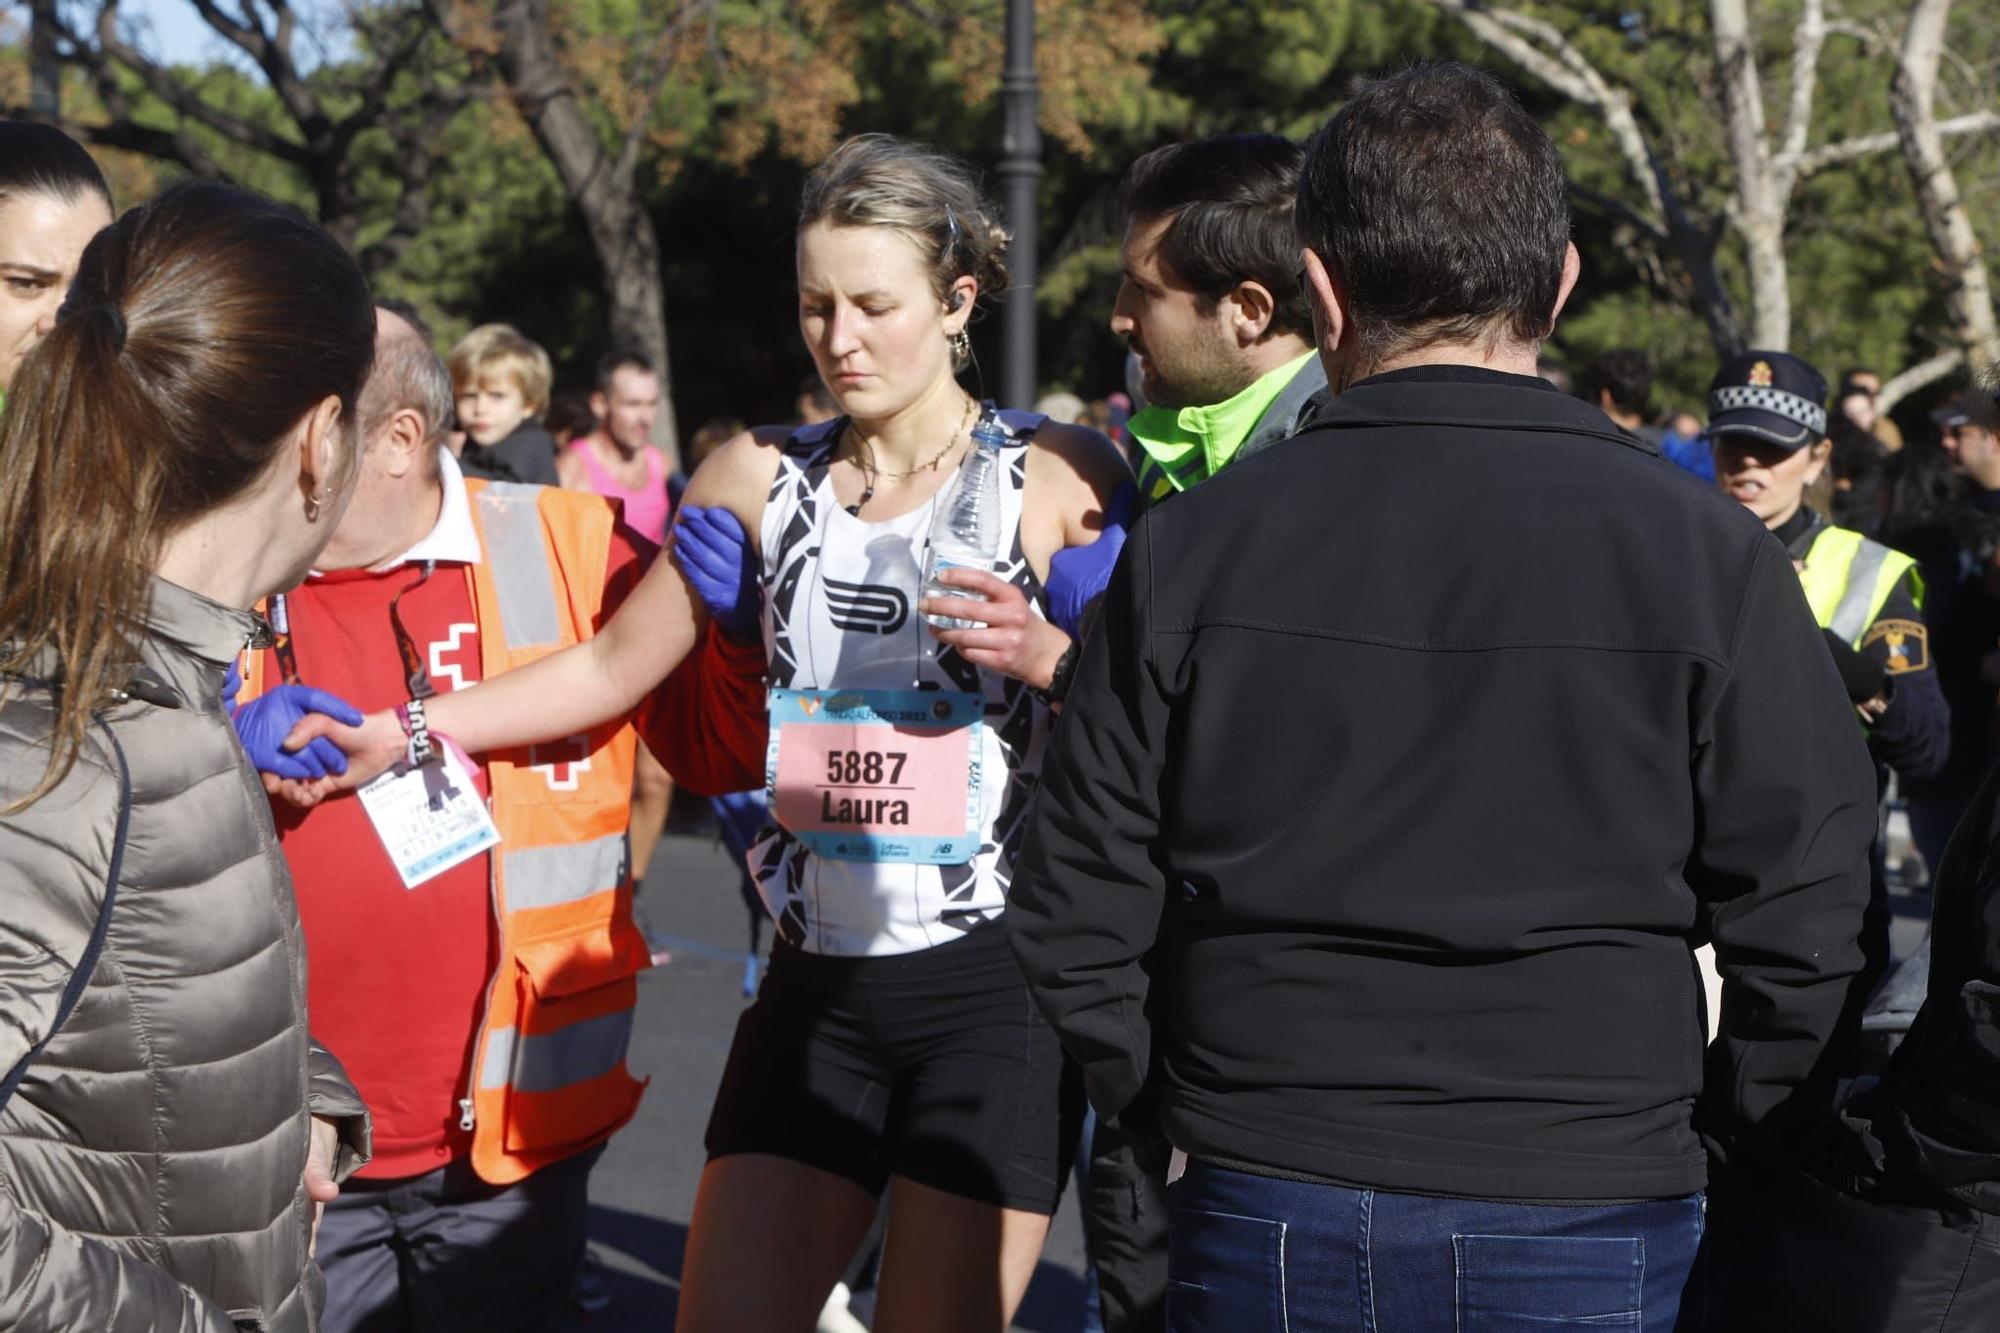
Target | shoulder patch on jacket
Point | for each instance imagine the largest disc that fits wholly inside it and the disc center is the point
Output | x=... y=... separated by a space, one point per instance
x=1908 y=641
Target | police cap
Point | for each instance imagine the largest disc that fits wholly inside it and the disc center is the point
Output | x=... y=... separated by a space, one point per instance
x=1773 y=396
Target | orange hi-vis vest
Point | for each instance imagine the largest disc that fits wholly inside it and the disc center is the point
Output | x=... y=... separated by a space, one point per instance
x=548 y=1076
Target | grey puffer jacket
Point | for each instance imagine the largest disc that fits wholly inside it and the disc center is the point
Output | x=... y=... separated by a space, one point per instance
x=151 y=1158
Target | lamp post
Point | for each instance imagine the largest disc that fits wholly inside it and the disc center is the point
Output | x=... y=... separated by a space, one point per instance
x=1020 y=176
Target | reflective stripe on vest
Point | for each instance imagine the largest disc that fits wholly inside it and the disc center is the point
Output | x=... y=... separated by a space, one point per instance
x=550 y=1062
x=1848 y=579
x=569 y=873
x=575 y=1054
x=510 y=518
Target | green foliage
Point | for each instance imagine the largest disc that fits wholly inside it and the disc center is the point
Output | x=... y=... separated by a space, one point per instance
x=757 y=89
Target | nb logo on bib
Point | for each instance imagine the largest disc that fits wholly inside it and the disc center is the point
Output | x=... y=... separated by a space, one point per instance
x=866 y=608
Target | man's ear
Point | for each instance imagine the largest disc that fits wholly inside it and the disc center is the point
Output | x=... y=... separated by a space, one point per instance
x=1332 y=328
x=1572 y=270
x=404 y=442
x=1254 y=308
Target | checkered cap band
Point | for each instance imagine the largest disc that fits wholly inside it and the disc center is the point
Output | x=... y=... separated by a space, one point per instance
x=1787 y=405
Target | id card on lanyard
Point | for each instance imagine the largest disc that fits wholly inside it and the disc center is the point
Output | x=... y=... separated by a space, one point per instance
x=878 y=775
x=429 y=818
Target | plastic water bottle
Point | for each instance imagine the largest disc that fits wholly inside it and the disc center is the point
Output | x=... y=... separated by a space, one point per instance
x=966 y=532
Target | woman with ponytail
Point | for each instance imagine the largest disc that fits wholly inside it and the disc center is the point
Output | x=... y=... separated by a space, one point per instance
x=177 y=446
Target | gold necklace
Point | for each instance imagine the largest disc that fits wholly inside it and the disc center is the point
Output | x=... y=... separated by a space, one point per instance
x=870 y=474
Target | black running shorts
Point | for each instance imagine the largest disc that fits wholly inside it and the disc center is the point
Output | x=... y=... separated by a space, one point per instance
x=933 y=1065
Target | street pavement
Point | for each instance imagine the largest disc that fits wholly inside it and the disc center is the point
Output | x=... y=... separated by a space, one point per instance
x=642 y=1192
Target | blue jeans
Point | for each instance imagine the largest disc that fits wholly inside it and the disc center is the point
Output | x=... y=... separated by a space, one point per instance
x=1255 y=1254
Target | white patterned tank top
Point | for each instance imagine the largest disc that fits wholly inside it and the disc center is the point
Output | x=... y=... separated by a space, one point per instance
x=840 y=612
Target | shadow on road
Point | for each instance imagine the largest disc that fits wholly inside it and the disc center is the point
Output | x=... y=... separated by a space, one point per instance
x=639 y=1272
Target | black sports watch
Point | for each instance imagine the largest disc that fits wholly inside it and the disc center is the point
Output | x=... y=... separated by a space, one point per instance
x=1058 y=686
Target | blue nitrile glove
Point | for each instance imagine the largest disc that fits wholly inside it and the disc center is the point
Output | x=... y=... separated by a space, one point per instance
x=264 y=722
x=232 y=685
x=714 y=553
x=1078 y=575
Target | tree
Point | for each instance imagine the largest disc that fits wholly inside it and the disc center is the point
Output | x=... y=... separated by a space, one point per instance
x=601 y=183
x=311 y=124
x=1684 y=193
x=1968 y=290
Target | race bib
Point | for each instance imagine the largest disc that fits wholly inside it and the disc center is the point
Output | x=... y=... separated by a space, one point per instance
x=878 y=775
x=431 y=818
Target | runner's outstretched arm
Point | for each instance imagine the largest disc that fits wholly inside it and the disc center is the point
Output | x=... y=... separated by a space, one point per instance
x=581 y=687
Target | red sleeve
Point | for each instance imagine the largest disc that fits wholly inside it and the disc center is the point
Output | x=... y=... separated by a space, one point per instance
x=631 y=555
x=708 y=722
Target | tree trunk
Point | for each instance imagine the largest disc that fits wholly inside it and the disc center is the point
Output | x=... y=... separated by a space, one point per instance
x=1760 y=203
x=1969 y=289
x=603 y=189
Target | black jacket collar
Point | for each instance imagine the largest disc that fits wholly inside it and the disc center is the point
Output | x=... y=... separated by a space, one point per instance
x=1497 y=403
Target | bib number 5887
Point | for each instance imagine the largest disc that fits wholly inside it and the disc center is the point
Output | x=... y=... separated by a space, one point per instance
x=865 y=768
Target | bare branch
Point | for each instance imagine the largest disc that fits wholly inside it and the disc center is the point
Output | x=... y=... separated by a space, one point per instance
x=1917 y=377
x=1806 y=44
x=273 y=55
x=1872 y=38
x=1873 y=145
x=178 y=96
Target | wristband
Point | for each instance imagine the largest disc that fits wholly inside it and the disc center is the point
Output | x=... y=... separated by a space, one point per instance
x=1058 y=686
x=420 y=751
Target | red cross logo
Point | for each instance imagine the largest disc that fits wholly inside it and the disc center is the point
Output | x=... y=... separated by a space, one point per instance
x=561 y=762
x=454 y=646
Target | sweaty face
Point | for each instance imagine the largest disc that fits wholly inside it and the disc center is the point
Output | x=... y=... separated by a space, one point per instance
x=41 y=239
x=1764 y=478
x=1186 y=352
x=870 y=317
x=490 y=409
x=631 y=406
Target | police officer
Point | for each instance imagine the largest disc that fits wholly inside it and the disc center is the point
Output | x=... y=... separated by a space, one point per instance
x=1767 y=416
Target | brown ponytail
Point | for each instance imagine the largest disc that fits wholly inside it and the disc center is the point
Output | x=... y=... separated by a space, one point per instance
x=201 y=328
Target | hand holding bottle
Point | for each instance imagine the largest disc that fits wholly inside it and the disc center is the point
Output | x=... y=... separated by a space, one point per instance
x=1008 y=637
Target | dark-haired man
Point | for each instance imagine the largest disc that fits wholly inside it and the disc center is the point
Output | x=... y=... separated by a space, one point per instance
x=1620 y=382
x=1407 y=765
x=1210 y=302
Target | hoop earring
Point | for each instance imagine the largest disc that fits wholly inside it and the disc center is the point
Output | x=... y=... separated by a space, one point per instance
x=961 y=347
x=314 y=502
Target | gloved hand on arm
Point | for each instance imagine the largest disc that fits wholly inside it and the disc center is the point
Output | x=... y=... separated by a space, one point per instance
x=1078 y=575
x=714 y=552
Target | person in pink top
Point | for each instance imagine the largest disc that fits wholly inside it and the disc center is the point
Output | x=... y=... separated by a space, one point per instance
x=618 y=459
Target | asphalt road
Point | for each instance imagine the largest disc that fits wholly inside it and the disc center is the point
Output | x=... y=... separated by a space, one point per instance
x=643 y=1189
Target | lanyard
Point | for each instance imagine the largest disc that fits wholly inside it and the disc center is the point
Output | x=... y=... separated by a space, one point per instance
x=414 y=674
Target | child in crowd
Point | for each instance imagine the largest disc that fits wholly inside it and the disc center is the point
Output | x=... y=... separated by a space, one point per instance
x=500 y=380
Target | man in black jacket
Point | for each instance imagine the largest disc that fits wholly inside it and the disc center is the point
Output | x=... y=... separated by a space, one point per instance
x=1407 y=766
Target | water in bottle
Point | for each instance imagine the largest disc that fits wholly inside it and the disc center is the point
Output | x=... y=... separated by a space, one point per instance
x=966 y=532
